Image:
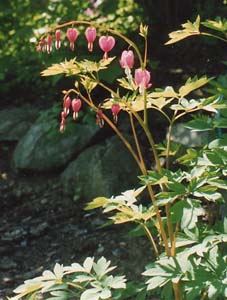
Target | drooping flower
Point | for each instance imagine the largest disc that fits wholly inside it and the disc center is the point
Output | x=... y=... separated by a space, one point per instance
x=76 y=106
x=58 y=39
x=90 y=34
x=42 y=46
x=142 y=79
x=115 y=108
x=127 y=59
x=72 y=35
x=66 y=104
x=63 y=114
x=63 y=123
x=99 y=118
x=49 y=43
x=106 y=43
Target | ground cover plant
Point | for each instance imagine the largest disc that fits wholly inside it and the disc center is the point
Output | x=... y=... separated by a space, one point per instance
x=184 y=186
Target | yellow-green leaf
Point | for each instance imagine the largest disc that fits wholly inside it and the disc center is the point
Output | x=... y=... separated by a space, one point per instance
x=103 y=63
x=168 y=92
x=67 y=67
x=126 y=85
x=219 y=25
x=191 y=85
x=96 y=203
x=189 y=29
x=88 y=83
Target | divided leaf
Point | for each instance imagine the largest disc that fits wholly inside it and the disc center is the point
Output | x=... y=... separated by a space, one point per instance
x=189 y=29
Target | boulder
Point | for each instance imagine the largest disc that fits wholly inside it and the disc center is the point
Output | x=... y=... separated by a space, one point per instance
x=44 y=148
x=15 y=122
x=188 y=137
x=105 y=169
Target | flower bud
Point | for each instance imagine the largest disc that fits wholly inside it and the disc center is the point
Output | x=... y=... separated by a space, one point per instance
x=115 y=111
x=62 y=125
x=99 y=118
x=72 y=35
x=42 y=46
x=90 y=34
x=49 y=43
x=76 y=106
x=66 y=104
x=106 y=43
x=58 y=39
x=127 y=59
x=63 y=115
x=142 y=79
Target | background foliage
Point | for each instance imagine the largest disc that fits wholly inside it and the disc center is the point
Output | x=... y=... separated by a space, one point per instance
x=22 y=21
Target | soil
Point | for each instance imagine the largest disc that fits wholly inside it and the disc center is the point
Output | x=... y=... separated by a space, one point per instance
x=40 y=226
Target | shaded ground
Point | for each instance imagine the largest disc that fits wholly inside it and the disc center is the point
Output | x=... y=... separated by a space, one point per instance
x=41 y=226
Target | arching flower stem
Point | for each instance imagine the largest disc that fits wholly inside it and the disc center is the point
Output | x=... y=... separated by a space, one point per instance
x=141 y=122
x=104 y=28
x=112 y=125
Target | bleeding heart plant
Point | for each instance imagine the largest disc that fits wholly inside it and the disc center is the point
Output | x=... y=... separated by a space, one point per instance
x=184 y=183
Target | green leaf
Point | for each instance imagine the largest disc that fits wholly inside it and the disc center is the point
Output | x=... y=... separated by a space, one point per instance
x=189 y=29
x=60 y=295
x=96 y=203
x=187 y=212
x=218 y=24
x=164 y=198
x=90 y=294
x=219 y=143
x=102 y=266
x=156 y=281
x=200 y=123
x=183 y=241
x=154 y=178
x=220 y=122
x=208 y=192
x=189 y=158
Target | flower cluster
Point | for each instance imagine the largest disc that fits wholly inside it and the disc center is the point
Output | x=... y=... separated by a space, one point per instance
x=140 y=80
x=106 y=42
x=75 y=104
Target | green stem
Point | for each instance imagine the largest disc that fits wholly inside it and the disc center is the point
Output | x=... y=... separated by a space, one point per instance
x=145 y=53
x=169 y=139
x=137 y=143
x=162 y=112
x=158 y=165
x=185 y=113
x=127 y=144
x=169 y=225
x=150 y=139
x=151 y=239
x=77 y=286
x=214 y=36
x=111 y=124
x=160 y=222
x=177 y=291
x=145 y=117
x=142 y=124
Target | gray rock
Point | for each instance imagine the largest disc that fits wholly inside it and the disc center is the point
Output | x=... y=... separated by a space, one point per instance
x=7 y=263
x=15 y=122
x=45 y=148
x=188 y=137
x=103 y=170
